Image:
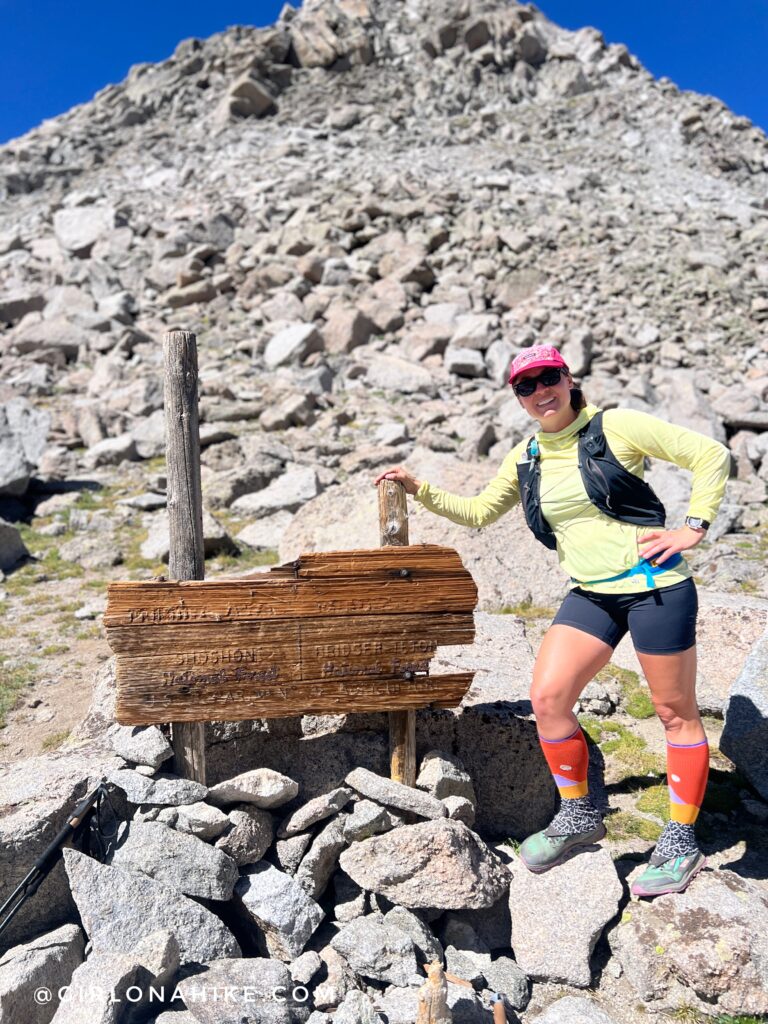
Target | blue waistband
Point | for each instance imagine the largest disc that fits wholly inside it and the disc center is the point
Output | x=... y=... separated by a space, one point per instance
x=644 y=567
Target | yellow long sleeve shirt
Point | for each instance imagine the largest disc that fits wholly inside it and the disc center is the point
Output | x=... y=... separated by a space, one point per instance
x=591 y=545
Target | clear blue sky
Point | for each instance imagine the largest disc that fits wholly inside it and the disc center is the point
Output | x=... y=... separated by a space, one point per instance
x=720 y=49
x=56 y=53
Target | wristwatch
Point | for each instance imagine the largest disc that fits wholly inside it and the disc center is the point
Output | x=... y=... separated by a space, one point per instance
x=697 y=523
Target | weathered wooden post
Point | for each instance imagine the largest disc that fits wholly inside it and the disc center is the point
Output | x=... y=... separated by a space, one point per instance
x=186 y=559
x=393 y=532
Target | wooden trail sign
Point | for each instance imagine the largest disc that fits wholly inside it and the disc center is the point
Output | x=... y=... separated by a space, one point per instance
x=332 y=632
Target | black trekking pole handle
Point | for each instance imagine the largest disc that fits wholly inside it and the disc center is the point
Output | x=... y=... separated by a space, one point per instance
x=42 y=865
x=72 y=824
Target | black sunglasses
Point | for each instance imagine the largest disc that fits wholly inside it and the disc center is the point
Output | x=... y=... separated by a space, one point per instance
x=549 y=378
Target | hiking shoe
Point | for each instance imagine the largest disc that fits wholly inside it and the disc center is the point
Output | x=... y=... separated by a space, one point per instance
x=543 y=851
x=671 y=875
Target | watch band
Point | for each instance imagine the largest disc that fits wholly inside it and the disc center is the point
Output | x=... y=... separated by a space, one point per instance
x=697 y=523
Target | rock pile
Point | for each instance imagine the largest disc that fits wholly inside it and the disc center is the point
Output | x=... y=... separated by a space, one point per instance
x=200 y=877
x=326 y=910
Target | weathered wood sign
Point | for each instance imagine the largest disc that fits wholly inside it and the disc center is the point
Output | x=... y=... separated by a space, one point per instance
x=332 y=632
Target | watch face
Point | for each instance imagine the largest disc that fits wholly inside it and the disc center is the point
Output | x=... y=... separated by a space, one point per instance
x=697 y=523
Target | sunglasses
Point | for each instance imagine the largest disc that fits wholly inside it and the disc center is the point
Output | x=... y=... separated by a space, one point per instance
x=549 y=378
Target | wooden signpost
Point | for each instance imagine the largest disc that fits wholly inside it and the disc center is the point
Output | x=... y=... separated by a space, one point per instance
x=332 y=632
x=186 y=557
x=393 y=532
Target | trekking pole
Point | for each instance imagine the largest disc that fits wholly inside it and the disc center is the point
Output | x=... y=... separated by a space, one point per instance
x=499 y=1009
x=41 y=867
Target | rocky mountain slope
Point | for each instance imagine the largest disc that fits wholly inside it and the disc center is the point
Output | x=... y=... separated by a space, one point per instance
x=363 y=212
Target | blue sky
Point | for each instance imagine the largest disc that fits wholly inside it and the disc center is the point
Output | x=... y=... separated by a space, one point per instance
x=56 y=53
x=704 y=45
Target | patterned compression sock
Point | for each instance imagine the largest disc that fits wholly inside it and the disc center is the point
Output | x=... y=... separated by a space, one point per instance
x=568 y=760
x=675 y=841
x=576 y=815
x=687 y=771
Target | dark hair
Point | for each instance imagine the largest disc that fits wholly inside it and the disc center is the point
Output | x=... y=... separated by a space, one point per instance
x=578 y=401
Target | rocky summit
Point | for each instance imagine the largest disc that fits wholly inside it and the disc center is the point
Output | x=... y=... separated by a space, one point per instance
x=362 y=213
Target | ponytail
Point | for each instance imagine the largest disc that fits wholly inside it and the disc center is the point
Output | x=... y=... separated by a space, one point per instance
x=578 y=401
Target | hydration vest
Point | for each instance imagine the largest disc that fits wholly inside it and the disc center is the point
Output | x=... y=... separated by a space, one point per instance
x=609 y=485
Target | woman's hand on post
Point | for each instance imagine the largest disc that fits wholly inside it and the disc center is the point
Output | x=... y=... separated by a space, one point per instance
x=408 y=480
x=662 y=544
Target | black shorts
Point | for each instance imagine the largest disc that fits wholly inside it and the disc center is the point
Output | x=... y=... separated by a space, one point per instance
x=660 y=621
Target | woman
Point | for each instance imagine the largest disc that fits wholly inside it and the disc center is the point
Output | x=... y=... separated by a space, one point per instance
x=580 y=481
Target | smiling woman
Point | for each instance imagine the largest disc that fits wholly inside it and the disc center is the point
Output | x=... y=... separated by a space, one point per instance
x=559 y=401
x=580 y=481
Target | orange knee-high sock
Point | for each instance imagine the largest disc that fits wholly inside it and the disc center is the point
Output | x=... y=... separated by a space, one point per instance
x=687 y=771
x=568 y=760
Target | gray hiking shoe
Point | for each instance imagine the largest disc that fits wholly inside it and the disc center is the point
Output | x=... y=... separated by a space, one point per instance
x=542 y=851
x=672 y=875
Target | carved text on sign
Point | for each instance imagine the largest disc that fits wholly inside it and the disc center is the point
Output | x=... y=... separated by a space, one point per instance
x=331 y=632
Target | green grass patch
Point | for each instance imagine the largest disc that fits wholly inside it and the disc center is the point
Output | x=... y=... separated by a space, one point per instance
x=690 y=1015
x=56 y=568
x=623 y=746
x=686 y=1015
x=631 y=752
x=728 y=1019
x=635 y=696
x=611 y=673
x=33 y=539
x=639 y=705
x=13 y=679
x=53 y=649
x=88 y=632
x=593 y=727
x=133 y=562
x=247 y=558
x=54 y=740
x=749 y=587
x=527 y=610
x=87 y=501
x=655 y=800
x=48 y=564
x=625 y=825
x=20 y=582
x=46 y=553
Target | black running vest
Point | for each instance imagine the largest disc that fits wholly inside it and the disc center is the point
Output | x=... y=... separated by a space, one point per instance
x=609 y=485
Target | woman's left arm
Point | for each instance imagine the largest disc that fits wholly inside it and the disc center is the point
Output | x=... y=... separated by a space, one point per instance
x=707 y=459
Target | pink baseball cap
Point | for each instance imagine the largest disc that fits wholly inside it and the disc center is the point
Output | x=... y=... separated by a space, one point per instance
x=533 y=358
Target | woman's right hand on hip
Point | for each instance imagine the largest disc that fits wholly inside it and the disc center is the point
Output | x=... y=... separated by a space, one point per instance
x=409 y=482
